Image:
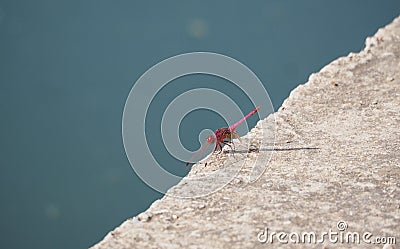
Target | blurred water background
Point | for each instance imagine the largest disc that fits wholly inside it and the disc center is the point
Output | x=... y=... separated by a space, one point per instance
x=66 y=68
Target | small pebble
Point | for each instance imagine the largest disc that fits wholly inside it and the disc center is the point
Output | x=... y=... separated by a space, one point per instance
x=287 y=222
x=295 y=189
x=201 y=206
x=253 y=148
x=195 y=233
x=144 y=217
x=227 y=239
x=169 y=218
x=236 y=181
x=135 y=221
x=167 y=227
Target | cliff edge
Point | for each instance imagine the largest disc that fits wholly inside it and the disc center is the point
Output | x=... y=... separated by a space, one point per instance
x=334 y=169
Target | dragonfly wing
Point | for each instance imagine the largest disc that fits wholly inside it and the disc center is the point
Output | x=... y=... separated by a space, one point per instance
x=235 y=135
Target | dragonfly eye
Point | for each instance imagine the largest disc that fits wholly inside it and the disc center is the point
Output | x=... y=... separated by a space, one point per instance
x=211 y=139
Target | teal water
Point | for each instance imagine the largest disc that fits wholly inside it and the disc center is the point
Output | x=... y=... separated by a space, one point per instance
x=66 y=68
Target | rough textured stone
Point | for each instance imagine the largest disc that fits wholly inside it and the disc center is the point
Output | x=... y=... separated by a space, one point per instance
x=337 y=158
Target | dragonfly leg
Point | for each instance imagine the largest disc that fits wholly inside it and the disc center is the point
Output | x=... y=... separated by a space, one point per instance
x=234 y=148
x=230 y=143
x=218 y=148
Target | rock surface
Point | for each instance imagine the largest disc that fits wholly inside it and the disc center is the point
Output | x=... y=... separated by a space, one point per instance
x=336 y=158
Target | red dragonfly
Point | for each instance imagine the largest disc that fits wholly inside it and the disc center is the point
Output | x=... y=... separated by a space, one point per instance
x=224 y=136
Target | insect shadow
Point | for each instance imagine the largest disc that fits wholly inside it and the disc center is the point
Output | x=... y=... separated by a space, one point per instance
x=269 y=149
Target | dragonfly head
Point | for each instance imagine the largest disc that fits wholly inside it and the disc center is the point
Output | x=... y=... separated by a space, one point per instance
x=211 y=139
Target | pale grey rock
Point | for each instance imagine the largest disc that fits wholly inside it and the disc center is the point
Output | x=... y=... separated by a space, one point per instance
x=336 y=158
